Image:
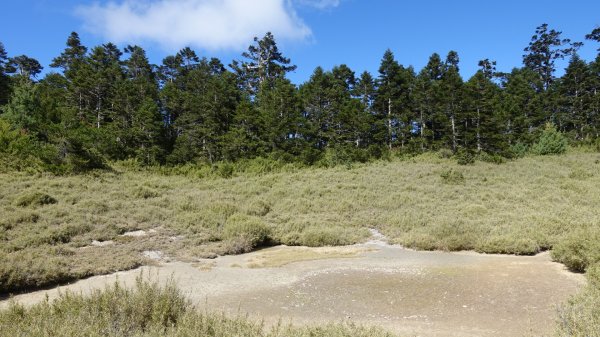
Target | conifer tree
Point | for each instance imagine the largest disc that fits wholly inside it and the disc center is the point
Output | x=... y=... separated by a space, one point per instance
x=452 y=100
x=482 y=104
x=545 y=48
x=262 y=65
x=24 y=66
x=575 y=99
x=4 y=78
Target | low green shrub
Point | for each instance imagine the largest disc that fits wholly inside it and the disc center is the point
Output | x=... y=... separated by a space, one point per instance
x=518 y=150
x=34 y=199
x=491 y=158
x=580 y=316
x=445 y=153
x=508 y=245
x=143 y=192
x=317 y=236
x=247 y=227
x=464 y=157
x=147 y=310
x=452 y=177
x=225 y=170
x=258 y=208
x=579 y=249
x=551 y=142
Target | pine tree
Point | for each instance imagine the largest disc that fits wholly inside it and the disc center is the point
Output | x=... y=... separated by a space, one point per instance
x=392 y=102
x=280 y=113
x=522 y=105
x=137 y=122
x=366 y=90
x=543 y=50
x=575 y=99
x=24 y=66
x=4 y=78
x=430 y=117
x=264 y=63
x=483 y=111
x=24 y=110
x=452 y=100
x=74 y=63
x=208 y=102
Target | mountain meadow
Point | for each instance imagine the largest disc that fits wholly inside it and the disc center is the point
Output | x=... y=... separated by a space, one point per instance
x=202 y=159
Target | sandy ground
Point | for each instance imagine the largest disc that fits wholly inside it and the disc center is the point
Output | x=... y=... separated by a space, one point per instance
x=408 y=292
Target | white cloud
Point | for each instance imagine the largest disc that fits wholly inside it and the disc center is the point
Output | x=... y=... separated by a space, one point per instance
x=206 y=24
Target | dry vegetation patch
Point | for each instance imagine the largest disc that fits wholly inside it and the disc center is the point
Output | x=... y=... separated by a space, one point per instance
x=426 y=202
x=281 y=256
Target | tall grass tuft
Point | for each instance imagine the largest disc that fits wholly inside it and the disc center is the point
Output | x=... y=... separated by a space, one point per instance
x=147 y=310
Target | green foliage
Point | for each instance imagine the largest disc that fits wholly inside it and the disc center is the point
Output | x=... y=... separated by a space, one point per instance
x=317 y=236
x=579 y=250
x=464 y=157
x=34 y=199
x=452 y=177
x=445 y=153
x=145 y=193
x=580 y=316
x=491 y=158
x=147 y=310
x=250 y=228
x=551 y=142
x=518 y=150
x=225 y=169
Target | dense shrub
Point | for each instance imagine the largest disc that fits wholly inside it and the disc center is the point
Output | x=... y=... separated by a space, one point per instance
x=147 y=310
x=580 y=316
x=35 y=199
x=445 y=153
x=452 y=177
x=551 y=142
x=464 y=157
x=258 y=208
x=143 y=192
x=491 y=158
x=579 y=250
x=247 y=227
x=518 y=150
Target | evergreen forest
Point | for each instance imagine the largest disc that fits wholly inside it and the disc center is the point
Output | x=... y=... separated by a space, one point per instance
x=104 y=104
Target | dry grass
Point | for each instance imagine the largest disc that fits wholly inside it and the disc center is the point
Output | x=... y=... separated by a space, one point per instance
x=277 y=257
x=520 y=207
x=48 y=223
x=148 y=310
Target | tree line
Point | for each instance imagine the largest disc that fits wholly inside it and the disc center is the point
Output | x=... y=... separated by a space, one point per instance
x=105 y=103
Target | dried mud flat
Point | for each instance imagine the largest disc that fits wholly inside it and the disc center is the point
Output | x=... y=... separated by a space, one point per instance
x=408 y=292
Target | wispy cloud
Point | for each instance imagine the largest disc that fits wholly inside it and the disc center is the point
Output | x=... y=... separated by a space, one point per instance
x=207 y=24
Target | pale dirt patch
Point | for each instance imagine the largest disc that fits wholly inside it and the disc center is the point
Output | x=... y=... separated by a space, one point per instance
x=155 y=255
x=96 y=243
x=281 y=256
x=135 y=234
x=409 y=292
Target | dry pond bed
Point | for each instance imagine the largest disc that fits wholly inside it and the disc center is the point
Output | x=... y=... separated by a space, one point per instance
x=409 y=292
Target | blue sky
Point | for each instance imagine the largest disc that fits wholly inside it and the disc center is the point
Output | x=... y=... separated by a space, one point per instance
x=310 y=32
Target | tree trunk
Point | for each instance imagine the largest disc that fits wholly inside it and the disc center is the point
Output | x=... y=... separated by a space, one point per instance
x=422 y=132
x=453 y=132
x=390 y=123
x=478 y=130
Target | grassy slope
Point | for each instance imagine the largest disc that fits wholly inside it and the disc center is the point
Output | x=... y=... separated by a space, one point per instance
x=520 y=207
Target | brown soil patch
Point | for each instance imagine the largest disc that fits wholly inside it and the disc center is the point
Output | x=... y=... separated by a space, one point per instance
x=409 y=292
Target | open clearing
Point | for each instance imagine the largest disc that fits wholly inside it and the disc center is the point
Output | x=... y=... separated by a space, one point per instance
x=408 y=292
